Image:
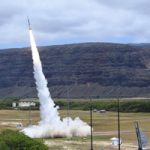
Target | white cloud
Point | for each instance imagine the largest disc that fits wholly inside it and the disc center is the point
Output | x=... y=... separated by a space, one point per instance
x=68 y=21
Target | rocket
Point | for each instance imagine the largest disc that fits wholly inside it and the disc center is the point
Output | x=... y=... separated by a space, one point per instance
x=29 y=23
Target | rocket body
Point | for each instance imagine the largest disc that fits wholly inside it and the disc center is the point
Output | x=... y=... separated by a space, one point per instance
x=29 y=24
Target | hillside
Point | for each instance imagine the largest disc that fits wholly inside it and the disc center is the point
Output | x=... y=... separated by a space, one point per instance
x=111 y=70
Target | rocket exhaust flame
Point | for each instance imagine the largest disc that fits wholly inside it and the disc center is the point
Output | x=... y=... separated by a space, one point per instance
x=50 y=125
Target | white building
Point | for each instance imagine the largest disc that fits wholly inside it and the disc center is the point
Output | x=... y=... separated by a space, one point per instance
x=115 y=141
x=27 y=102
x=14 y=104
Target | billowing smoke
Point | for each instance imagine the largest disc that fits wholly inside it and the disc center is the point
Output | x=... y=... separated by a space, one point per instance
x=50 y=125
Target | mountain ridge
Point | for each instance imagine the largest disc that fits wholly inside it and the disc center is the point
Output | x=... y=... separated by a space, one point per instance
x=111 y=69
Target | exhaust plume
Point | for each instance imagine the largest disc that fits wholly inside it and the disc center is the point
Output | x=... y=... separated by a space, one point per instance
x=50 y=125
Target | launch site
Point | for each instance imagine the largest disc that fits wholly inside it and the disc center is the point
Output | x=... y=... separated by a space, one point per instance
x=75 y=75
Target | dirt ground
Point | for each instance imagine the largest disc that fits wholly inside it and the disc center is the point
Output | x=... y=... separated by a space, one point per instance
x=74 y=145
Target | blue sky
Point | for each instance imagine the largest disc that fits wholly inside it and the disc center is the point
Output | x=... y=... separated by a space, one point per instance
x=74 y=21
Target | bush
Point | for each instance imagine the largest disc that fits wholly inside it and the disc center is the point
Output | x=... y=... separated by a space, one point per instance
x=15 y=140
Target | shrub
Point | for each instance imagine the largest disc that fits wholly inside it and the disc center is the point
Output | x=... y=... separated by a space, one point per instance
x=15 y=140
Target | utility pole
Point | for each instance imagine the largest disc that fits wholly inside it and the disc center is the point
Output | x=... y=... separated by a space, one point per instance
x=118 y=105
x=91 y=117
x=68 y=106
x=138 y=135
x=91 y=121
x=30 y=114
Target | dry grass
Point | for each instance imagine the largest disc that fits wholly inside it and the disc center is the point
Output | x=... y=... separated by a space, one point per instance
x=104 y=124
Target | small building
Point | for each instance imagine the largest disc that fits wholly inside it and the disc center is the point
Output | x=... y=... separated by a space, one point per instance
x=115 y=141
x=14 y=104
x=27 y=102
x=94 y=110
x=102 y=111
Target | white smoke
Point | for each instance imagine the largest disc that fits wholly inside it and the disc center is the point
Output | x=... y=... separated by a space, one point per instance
x=50 y=125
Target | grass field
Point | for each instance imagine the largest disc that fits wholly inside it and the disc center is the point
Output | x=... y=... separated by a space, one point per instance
x=104 y=125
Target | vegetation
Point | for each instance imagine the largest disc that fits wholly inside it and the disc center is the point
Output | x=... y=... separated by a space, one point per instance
x=14 y=140
x=76 y=104
x=110 y=105
x=7 y=103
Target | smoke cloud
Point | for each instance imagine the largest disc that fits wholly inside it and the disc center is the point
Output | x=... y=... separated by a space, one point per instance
x=51 y=124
